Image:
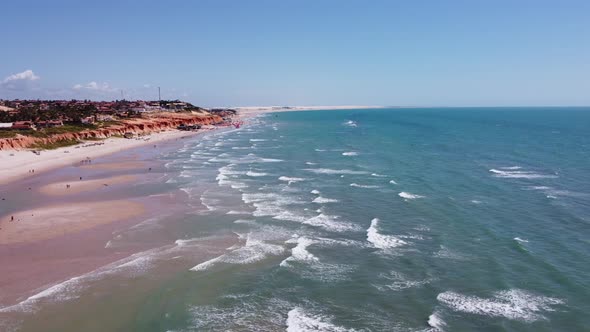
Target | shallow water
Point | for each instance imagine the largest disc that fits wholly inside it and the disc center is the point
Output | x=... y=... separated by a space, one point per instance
x=358 y=220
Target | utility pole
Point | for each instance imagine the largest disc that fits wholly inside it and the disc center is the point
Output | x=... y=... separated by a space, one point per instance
x=159 y=98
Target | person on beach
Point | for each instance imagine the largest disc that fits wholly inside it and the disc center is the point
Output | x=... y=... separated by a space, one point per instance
x=11 y=218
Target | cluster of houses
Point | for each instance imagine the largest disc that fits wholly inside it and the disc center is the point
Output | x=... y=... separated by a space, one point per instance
x=30 y=125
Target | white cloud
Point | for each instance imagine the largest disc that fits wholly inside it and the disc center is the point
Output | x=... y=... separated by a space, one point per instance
x=19 y=81
x=93 y=86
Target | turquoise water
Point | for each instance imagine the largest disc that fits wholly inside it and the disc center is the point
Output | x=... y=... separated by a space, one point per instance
x=380 y=220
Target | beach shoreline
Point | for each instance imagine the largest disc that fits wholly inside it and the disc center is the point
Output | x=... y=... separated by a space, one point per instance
x=16 y=165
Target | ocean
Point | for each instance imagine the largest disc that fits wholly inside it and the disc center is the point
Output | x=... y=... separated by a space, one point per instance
x=422 y=219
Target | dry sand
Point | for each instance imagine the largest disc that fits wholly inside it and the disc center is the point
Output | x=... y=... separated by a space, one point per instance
x=47 y=222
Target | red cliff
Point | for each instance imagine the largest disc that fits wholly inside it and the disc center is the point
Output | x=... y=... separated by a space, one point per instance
x=156 y=123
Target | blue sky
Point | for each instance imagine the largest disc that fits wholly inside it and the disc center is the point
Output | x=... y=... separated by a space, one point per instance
x=307 y=52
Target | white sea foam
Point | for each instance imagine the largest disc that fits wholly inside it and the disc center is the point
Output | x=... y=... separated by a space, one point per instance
x=366 y=186
x=378 y=175
x=300 y=321
x=447 y=253
x=511 y=167
x=315 y=192
x=320 y=150
x=513 y=304
x=310 y=163
x=334 y=171
x=381 y=241
x=245 y=221
x=551 y=192
x=397 y=282
x=290 y=180
x=238 y=212
x=436 y=322
x=269 y=160
x=258 y=140
x=350 y=154
x=407 y=195
x=323 y=200
x=517 y=239
x=255 y=174
x=299 y=253
x=350 y=123
x=514 y=174
x=330 y=223
x=253 y=250
x=392 y=182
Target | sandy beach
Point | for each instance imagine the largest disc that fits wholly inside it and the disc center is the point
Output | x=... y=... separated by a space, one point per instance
x=59 y=219
x=15 y=165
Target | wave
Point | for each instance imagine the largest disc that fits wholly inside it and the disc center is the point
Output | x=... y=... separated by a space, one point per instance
x=299 y=252
x=381 y=241
x=255 y=174
x=363 y=186
x=447 y=253
x=517 y=239
x=521 y=174
x=322 y=200
x=330 y=223
x=315 y=192
x=300 y=321
x=320 y=150
x=392 y=182
x=290 y=180
x=269 y=160
x=436 y=322
x=551 y=192
x=378 y=175
x=258 y=140
x=310 y=163
x=350 y=154
x=238 y=212
x=334 y=171
x=253 y=250
x=513 y=304
x=399 y=282
x=350 y=123
x=407 y=195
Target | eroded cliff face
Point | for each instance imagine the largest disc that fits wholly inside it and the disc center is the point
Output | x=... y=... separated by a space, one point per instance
x=135 y=126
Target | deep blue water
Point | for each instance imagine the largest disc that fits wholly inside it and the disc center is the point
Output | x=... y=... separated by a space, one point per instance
x=470 y=219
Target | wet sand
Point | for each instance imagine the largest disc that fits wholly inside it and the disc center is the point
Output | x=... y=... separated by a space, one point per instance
x=47 y=222
x=75 y=187
x=60 y=233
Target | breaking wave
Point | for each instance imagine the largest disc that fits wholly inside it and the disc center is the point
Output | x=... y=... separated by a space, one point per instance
x=381 y=241
x=512 y=304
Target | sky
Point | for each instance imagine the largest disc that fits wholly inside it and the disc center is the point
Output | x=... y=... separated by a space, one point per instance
x=306 y=52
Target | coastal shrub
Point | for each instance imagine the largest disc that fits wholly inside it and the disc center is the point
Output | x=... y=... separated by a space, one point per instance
x=7 y=133
x=68 y=128
x=56 y=144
